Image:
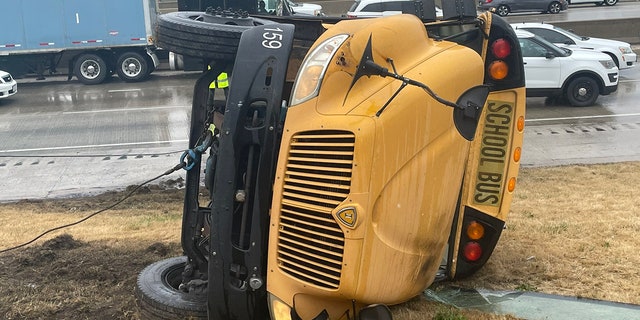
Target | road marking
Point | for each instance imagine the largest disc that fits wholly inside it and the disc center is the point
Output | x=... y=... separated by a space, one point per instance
x=124 y=110
x=94 y=146
x=585 y=117
x=123 y=90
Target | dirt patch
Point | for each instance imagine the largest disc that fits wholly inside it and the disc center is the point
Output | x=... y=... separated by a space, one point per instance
x=572 y=231
x=65 y=278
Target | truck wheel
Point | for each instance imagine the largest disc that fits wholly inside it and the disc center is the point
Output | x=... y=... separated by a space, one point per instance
x=209 y=35
x=91 y=69
x=158 y=294
x=132 y=67
x=582 y=91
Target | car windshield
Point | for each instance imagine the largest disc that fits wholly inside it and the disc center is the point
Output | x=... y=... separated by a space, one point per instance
x=354 y=6
x=571 y=34
x=552 y=48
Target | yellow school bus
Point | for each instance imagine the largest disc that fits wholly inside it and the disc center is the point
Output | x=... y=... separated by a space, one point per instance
x=383 y=181
x=353 y=162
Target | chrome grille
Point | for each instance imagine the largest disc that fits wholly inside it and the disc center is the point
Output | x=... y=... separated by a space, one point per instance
x=317 y=180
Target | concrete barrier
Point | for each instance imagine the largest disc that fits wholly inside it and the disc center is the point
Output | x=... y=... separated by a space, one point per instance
x=627 y=30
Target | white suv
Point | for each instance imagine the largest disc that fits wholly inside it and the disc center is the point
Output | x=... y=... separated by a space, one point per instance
x=579 y=75
x=621 y=52
x=380 y=8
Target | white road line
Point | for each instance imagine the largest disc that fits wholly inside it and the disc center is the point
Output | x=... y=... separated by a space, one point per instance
x=124 y=90
x=124 y=110
x=585 y=117
x=94 y=146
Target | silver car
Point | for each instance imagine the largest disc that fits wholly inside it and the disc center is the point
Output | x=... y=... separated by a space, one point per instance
x=504 y=7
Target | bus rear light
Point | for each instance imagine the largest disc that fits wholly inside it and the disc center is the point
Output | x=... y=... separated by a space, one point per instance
x=501 y=48
x=512 y=184
x=498 y=70
x=472 y=251
x=475 y=231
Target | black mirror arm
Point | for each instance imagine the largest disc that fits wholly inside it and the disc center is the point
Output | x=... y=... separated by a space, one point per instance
x=384 y=72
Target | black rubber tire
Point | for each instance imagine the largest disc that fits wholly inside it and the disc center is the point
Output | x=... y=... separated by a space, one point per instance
x=554 y=7
x=203 y=35
x=502 y=10
x=610 y=2
x=132 y=67
x=90 y=69
x=582 y=91
x=158 y=296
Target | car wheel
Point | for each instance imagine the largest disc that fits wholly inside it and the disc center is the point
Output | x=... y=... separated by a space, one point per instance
x=554 y=7
x=158 y=294
x=132 y=67
x=91 y=69
x=502 y=10
x=209 y=35
x=610 y=2
x=582 y=91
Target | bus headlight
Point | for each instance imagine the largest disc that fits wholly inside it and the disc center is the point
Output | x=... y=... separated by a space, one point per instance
x=313 y=68
x=278 y=309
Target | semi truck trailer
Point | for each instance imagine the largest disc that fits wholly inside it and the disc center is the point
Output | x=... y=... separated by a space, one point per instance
x=92 y=40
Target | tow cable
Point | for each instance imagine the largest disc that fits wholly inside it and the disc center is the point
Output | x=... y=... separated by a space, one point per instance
x=188 y=159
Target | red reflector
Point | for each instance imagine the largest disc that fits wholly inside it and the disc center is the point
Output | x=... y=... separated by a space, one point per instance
x=501 y=48
x=472 y=251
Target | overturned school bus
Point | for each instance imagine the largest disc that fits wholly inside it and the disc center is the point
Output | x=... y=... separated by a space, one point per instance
x=388 y=162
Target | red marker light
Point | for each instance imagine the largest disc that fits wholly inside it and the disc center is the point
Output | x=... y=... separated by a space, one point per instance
x=501 y=48
x=472 y=251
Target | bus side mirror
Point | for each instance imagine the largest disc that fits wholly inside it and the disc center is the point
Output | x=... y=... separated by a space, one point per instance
x=467 y=115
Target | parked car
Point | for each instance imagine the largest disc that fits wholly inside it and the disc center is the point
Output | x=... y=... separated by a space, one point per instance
x=620 y=52
x=306 y=8
x=578 y=75
x=597 y=3
x=379 y=8
x=8 y=85
x=504 y=7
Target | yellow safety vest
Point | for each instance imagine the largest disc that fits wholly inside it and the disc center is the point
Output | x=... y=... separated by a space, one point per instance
x=221 y=82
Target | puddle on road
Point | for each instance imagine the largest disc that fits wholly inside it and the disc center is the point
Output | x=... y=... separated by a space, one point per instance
x=533 y=305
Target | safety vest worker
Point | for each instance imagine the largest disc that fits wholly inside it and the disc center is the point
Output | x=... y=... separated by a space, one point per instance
x=221 y=82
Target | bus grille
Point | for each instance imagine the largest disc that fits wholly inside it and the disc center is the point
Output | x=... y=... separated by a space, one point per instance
x=317 y=180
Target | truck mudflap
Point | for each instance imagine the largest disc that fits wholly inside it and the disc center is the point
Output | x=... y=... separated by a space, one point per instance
x=242 y=187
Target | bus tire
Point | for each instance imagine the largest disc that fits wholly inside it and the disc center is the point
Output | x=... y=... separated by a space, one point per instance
x=158 y=294
x=208 y=35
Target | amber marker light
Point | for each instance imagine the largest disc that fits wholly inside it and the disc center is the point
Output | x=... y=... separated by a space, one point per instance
x=498 y=70
x=517 y=154
x=512 y=184
x=520 y=123
x=475 y=230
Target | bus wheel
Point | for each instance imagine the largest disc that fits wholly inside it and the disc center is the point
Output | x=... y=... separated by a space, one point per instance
x=91 y=69
x=158 y=294
x=214 y=34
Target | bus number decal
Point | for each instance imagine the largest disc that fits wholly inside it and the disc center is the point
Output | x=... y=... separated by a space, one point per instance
x=494 y=153
x=272 y=38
